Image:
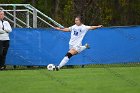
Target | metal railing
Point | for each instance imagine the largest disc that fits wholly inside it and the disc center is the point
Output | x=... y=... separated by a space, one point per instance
x=25 y=15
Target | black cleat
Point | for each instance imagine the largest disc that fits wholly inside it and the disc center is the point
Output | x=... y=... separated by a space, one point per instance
x=56 y=68
x=87 y=46
x=2 y=67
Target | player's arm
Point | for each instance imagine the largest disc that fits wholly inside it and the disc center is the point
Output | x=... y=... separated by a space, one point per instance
x=94 y=27
x=2 y=31
x=63 y=29
x=7 y=27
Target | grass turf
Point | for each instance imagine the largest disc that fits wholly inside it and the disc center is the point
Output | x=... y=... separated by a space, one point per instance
x=78 y=80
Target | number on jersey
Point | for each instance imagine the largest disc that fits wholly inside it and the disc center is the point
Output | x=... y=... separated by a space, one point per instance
x=75 y=33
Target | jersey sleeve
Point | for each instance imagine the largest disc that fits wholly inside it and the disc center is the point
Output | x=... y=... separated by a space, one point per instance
x=71 y=27
x=87 y=27
x=7 y=26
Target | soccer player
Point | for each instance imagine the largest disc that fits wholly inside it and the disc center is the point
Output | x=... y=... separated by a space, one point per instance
x=78 y=32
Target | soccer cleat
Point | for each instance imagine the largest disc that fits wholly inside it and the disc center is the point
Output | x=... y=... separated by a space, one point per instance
x=56 y=68
x=2 y=67
x=87 y=46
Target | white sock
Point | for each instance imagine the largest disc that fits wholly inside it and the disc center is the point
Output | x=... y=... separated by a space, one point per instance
x=63 y=62
x=82 y=48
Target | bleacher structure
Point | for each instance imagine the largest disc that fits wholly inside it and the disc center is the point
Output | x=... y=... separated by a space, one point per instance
x=27 y=16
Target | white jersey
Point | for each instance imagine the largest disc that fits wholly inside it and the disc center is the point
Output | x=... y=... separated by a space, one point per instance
x=77 y=34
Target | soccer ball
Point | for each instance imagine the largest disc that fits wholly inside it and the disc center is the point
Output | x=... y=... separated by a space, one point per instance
x=51 y=67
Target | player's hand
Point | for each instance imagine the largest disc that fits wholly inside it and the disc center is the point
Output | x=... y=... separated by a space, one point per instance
x=0 y=27
x=2 y=31
x=57 y=28
x=100 y=25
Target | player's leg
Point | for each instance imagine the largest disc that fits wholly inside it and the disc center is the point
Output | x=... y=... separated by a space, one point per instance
x=72 y=51
x=4 y=53
x=67 y=57
x=1 y=49
x=82 y=48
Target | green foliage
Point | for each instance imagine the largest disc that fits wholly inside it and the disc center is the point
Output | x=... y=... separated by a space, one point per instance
x=68 y=12
x=10 y=1
x=106 y=12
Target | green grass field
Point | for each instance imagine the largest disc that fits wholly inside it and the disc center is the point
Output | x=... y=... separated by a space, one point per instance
x=77 y=80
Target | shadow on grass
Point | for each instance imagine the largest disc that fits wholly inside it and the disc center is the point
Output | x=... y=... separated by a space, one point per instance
x=74 y=67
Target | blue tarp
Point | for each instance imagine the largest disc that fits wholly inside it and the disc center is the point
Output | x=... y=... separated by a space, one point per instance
x=44 y=46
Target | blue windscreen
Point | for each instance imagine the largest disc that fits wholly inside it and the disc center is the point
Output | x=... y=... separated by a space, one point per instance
x=40 y=47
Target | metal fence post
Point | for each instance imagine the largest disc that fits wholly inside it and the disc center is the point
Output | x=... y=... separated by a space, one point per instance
x=27 y=19
x=27 y=16
x=14 y=8
x=34 y=18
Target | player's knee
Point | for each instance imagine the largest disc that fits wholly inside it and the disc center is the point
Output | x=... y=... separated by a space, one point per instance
x=69 y=55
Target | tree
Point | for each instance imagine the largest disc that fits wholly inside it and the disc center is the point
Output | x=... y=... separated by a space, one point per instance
x=106 y=12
